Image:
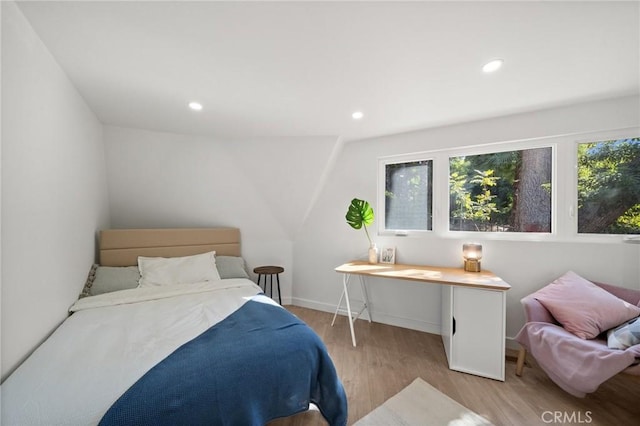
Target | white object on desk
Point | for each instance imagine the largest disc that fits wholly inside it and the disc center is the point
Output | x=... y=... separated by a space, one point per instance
x=473 y=311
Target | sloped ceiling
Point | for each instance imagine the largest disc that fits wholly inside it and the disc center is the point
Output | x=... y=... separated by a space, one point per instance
x=264 y=69
x=163 y=179
x=287 y=185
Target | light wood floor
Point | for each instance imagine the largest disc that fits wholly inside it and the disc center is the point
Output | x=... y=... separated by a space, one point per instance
x=389 y=358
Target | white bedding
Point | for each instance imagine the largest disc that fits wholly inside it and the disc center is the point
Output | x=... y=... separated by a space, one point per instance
x=108 y=344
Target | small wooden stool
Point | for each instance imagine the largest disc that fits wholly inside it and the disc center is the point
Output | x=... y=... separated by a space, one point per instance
x=269 y=271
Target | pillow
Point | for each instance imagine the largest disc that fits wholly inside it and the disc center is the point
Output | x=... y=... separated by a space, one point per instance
x=231 y=267
x=89 y=282
x=625 y=335
x=114 y=278
x=582 y=307
x=159 y=271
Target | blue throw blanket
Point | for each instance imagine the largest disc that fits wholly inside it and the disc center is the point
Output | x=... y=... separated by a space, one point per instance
x=258 y=364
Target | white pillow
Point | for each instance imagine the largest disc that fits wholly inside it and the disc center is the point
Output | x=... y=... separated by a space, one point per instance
x=159 y=271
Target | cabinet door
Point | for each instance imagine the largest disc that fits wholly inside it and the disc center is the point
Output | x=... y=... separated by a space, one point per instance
x=477 y=345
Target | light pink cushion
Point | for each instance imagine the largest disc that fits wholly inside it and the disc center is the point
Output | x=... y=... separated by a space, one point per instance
x=582 y=307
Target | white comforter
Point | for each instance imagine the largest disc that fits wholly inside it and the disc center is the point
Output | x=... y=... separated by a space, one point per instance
x=108 y=344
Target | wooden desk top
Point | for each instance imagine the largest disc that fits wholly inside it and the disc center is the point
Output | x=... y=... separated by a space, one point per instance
x=431 y=274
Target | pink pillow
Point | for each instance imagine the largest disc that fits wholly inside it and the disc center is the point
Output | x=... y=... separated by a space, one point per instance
x=582 y=307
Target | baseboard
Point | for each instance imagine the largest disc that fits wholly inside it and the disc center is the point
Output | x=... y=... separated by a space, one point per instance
x=380 y=317
x=512 y=343
x=285 y=301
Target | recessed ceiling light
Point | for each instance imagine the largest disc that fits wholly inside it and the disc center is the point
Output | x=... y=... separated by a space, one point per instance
x=196 y=106
x=493 y=65
x=357 y=115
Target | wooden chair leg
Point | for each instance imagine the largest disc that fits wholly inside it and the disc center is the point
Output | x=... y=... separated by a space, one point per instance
x=522 y=356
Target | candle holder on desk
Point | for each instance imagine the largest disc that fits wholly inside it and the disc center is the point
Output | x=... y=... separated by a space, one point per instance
x=472 y=253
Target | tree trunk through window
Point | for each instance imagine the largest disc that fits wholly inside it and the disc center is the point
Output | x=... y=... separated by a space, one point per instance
x=532 y=209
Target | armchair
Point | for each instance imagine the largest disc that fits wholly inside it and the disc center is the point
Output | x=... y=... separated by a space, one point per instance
x=577 y=365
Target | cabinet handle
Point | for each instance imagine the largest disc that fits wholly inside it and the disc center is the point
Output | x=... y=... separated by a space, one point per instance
x=454 y=326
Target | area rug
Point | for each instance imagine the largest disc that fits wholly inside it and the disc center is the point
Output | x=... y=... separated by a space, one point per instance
x=420 y=404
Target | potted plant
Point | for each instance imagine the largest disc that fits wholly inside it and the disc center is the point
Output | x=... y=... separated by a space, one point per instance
x=359 y=215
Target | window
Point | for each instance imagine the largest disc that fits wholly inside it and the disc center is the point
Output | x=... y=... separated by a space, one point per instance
x=609 y=187
x=573 y=187
x=408 y=195
x=501 y=192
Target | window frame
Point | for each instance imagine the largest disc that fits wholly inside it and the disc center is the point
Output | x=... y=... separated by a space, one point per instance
x=381 y=190
x=564 y=184
x=508 y=147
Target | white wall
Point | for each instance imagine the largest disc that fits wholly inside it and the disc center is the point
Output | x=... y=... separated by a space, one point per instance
x=327 y=241
x=54 y=194
x=259 y=185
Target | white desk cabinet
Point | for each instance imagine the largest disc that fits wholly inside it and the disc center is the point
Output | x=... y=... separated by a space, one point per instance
x=473 y=322
x=473 y=311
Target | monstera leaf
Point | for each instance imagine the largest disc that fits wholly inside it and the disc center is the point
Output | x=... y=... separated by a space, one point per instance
x=359 y=215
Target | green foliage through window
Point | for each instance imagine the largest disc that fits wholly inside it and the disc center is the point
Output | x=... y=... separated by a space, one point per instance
x=609 y=187
x=501 y=192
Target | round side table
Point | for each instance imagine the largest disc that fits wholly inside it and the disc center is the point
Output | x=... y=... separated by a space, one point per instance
x=269 y=271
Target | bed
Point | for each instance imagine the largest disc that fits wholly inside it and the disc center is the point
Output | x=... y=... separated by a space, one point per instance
x=185 y=344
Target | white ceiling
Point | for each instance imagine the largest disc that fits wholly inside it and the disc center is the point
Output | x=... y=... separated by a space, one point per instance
x=301 y=68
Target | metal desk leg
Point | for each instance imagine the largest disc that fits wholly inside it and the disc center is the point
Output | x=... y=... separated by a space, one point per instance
x=345 y=284
x=345 y=295
x=338 y=305
x=363 y=286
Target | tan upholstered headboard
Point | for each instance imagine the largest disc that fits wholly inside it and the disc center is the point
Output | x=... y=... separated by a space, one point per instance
x=121 y=247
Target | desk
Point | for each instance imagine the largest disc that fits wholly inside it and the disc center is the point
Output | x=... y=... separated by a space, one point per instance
x=473 y=311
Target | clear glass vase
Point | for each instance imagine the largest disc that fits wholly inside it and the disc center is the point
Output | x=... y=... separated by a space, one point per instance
x=373 y=253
